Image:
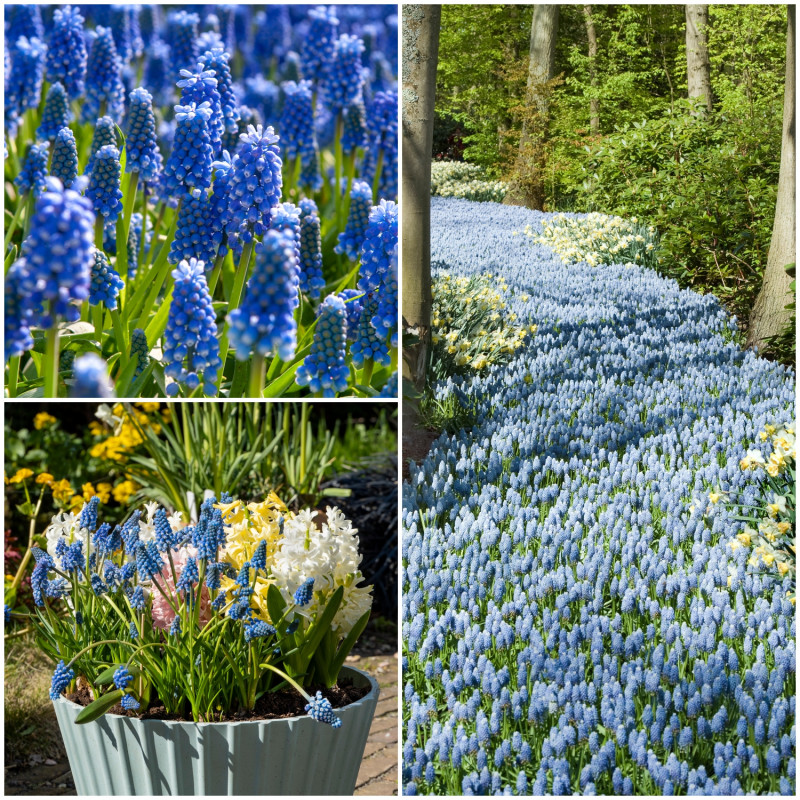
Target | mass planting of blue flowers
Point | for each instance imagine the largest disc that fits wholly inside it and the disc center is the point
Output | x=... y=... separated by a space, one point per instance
x=200 y=131
x=579 y=614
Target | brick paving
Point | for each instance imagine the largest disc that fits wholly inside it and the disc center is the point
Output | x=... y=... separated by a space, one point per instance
x=378 y=775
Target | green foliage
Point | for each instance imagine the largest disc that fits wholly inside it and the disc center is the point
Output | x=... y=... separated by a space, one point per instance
x=446 y=413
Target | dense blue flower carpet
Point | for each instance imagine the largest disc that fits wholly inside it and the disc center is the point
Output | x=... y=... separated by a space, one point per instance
x=575 y=618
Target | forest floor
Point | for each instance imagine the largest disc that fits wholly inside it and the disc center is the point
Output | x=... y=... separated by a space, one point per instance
x=36 y=762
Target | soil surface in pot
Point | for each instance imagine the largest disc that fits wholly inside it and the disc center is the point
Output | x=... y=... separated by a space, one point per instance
x=273 y=705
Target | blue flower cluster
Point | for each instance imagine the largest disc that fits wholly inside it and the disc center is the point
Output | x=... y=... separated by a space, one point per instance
x=351 y=238
x=311 y=279
x=104 y=184
x=106 y=283
x=575 y=620
x=66 y=52
x=189 y=163
x=105 y=92
x=141 y=147
x=34 y=170
x=90 y=377
x=56 y=113
x=324 y=369
x=65 y=158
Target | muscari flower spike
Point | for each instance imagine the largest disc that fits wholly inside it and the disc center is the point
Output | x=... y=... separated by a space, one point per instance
x=190 y=575
x=254 y=187
x=311 y=280
x=304 y=594
x=189 y=164
x=104 y=185
x=182 y=37
x=122 y=677
x=137 y=600
x=19 y=316
x=324 y=368
x=66 y=51
x=34 y=170
x=265 y=323
x=98 y=587
x=344 y=77
x=105 y=92
x=141 y=147
x=351 y=238
x=389 y=389
x=354 y=134
x=198 y=234
x=378 y=273
x=139 y=351
x=368 y=345
x=320 y=709
x=62 y=677
x=90 y=378
x=64 y=165
x=298 y=133
x=24 y=87
x=175 y=627
x=191 y=348
x=88 y=516
x=319 y=42
x=257 y=629
x=129 y=702
x=216 y=59
x=105 y=133
x=106 y=282
x=200 y=87
x=354 y=305
x=382 y=139
x=56 y=114
x=23 y=20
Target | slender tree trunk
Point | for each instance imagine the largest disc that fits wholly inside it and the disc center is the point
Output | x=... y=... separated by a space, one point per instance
x=420 y=55
x=769 y=316
x=529 y=179
x=698 y=66
x=594 y=102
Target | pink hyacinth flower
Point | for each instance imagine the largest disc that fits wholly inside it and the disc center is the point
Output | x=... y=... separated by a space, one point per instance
x=161 y=609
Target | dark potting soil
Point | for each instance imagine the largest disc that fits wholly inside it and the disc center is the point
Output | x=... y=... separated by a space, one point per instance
x=273 y=705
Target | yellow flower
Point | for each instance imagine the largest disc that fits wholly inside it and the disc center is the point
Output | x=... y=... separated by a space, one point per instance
x=62 y=491
x=783 y=527
x=76 y=502
x=734 y=544
x=43 y=420
x=88 y=491
x=124 y=490
x=715 y=496
x=95 y=428
x=782 y=566
x=104 y=491
x=45 y=477
x=149 y=408
x=20 y=475
x=744 y=537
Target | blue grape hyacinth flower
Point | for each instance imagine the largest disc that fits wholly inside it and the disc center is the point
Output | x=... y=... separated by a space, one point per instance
x=66 y=51
x=304 y=593
x=56 y=114
x=191 y=348
x=140 y=351
x=90 y=378
x=129 y=702
x=354 y=305
x=122 y=677
x=198 y=233
x=344 y=77
x=104 y=185
x=189 y=164
x=34 y=170
x=198 y=87
x=265 y=322
x=105 y=92
x=64 y=164
x=312 y=281
x=105 y=133
x=319 y=42
x=106 y=282
x=18 y=314
x=141 y=147
x=182 y=37
x=24 y=87
x=62 y=677
x=324 y=368
x=216 y=59
x=320 y=709
x=351 y=238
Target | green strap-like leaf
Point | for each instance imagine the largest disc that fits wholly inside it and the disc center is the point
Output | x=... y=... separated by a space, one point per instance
x=99 y=707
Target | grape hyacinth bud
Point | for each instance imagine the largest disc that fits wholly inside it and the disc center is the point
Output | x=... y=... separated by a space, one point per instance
x=34 y=170
x=311 y=280
x=59 y=252
x=106 y=282
x=368 y=344
x=354 y=134
x=122 y=678
x=324 y=368
x=182 y=38
x=200 y=87
x=191 y=348
x=352 y=237
x=320 y=709
x=65 y=158
x=189 y=164
x=56 y=112
x=129 y=702
x=105 y=92
x=66 y=52
x=255 y=186
x=319 y=42
x=18 y=313
x=104 y=191
x=286 y=217
x=263 y=96
x=141 y=148
x=265 y=321
x=105 y=133
x=196 y=234
x=140 y=351
x=344 y=78
x=216 y=59
x=62 y=677
x=88 y=516
x=90 y=376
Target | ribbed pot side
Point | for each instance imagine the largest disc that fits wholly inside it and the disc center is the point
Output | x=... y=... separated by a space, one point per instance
x=118 y=755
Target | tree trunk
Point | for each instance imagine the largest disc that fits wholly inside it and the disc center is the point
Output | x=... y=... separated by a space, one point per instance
x=769 y=316
x=698 y=66
x=528 y=188
x=594 y=102
x=420 y=54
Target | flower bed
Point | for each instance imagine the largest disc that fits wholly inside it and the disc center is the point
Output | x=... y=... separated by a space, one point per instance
x=467 y=181
x=575 y=619
x=220 y=231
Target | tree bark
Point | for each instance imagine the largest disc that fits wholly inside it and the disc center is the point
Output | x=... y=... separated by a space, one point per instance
x=421 y=25
x=769 y=316
x=528 y=188
x=594 y=102
x=698 y=66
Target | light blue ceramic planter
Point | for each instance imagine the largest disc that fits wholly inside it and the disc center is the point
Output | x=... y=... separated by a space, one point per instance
x=118 y=755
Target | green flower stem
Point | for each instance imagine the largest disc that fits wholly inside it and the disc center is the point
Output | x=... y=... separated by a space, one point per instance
x=123 y=227
x=139 y=260
x=161 y=269
x=13 y=375
x=121 y=338
x=23 y=565
x=215 y=273
x=258 y=366
x=29 y=204
x=377 y=179
x=50 y=366
x=12 y=226
x=162 y=207
x=366 y=372
x=288 y=680
x=235 y=299
x=98 y=232
x=97 y=320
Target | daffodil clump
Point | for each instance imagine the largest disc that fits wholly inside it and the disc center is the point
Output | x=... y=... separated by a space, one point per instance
x=598 y=239
x=202 y=618
x=472 y=325
x=769 y=535
x=467 y=181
